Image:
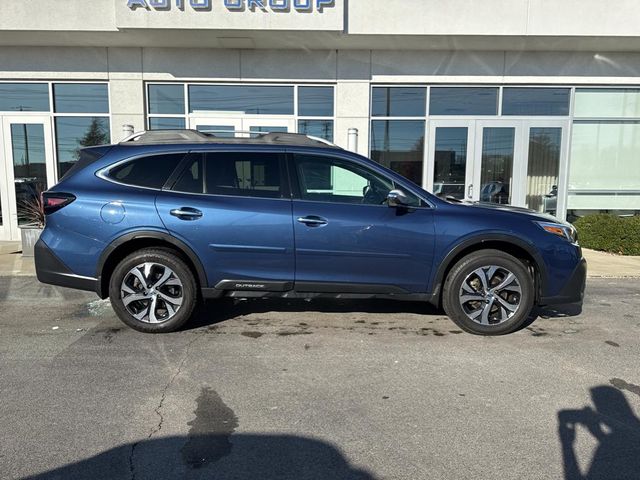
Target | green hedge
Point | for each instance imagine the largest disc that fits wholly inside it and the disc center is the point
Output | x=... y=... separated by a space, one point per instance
x=610 y=233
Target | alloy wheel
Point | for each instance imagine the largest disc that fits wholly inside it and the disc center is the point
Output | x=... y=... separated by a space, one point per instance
x=490 y=295
x=152 y=292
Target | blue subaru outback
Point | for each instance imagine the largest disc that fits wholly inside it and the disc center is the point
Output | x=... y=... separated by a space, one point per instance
x=166 y=218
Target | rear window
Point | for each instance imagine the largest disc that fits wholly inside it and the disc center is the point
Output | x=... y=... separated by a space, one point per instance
x=245 y=174
x=150 y=172
x=86 y=158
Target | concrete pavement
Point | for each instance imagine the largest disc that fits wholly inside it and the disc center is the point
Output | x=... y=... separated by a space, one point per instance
x=316 y=390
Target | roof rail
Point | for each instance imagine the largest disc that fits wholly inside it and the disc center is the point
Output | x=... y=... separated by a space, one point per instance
x=167 y=136
x=209 y=136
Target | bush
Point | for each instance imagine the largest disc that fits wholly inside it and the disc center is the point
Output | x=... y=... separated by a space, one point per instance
x=610 y=233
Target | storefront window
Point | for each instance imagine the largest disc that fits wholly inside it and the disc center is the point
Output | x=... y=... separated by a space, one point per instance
x=166 y=99
x=399 y=102
x=317 y=128
x=75 y=133
x=607 y=103
x=24 y=97
x=604 y=166
x=463 y=101
x=81 y=98
x=315 y=101
x=248 y=99
x=535 y=101
x=399 y=145
x=166 y=123
x=603 y=174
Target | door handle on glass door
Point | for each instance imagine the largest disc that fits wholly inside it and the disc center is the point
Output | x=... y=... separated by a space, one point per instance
x=470 y=192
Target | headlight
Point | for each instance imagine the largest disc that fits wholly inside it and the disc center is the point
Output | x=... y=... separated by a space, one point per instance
x=568 y=232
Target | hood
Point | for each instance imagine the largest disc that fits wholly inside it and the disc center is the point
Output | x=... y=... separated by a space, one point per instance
x=545 y=217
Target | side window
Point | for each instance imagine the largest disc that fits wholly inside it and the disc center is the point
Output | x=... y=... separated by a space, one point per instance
x=244 y=174
x=151 y=172
x=327 y=179
x=192 y=179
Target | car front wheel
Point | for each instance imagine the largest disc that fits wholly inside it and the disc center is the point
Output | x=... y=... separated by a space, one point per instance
x=489 y=292
x=153 y=291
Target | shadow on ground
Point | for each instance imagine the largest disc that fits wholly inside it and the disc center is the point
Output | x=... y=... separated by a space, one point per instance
x=221 y=310
x=613 y=424
x=242 y=456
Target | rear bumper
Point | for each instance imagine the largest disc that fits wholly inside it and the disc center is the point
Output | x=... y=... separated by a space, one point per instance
x=51 y=270
x=573 y=291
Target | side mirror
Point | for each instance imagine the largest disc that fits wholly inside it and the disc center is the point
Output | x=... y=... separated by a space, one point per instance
x=397 y=198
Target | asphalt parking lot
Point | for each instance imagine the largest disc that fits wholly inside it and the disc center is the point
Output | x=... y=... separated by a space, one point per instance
x=271 y=389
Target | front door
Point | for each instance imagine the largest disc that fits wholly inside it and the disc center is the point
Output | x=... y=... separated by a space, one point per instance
x=348 y=240
x=26 y=169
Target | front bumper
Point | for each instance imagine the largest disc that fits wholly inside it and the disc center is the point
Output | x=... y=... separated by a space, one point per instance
x=50 y=269
x=573 y=291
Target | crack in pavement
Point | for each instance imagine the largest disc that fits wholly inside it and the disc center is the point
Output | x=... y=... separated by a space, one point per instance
x=158 y=409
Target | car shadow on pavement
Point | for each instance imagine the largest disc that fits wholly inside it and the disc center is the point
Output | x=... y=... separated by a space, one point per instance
x=613 y=424
x=239 y=456
x=212 y=312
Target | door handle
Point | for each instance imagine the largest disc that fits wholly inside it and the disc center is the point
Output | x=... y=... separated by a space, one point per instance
x=186 y=213
x=470 y=191
x=313 y=221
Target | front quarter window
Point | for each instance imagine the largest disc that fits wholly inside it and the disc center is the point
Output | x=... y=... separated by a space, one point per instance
x=334 y=180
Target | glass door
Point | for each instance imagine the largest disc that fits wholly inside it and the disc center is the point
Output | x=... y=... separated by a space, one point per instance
x=545 y=167
x=450 y=159
x=497 y=164
x=260 y=125
x=219 y=126
x=28 y=170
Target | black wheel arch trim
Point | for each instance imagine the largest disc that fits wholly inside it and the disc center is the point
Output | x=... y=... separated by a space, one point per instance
x=151 y=235
x=478 y=240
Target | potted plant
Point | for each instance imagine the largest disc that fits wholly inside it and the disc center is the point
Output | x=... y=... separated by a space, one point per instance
x=33 y=212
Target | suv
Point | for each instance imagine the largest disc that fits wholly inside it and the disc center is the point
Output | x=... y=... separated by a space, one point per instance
x=166 y=218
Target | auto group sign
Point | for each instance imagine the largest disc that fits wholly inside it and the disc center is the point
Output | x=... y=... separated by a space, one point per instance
x=234 y=5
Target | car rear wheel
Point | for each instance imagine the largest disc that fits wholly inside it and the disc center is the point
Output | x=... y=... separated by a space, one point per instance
x=489 y=292
x=153 y=291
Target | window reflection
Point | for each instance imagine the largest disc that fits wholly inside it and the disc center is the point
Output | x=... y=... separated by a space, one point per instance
x=24 y=97
x=450 y=161
x=535 y=101
x=166 y=99
x=399 y=145
x=166 y=123
x=75 y=133
x=497 y=164
x=399 y=101
x=251 y=99
x=317 y=128
x=81 y=98
x=29 y=168
x=463 y=101
x=315 y=101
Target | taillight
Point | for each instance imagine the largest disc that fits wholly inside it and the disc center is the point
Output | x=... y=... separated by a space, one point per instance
x=54 y=201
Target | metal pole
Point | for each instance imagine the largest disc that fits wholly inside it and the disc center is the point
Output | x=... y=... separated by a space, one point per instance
x=352 y=143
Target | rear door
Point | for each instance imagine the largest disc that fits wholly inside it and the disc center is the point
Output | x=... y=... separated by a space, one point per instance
x=234 y=210
x=348 y=239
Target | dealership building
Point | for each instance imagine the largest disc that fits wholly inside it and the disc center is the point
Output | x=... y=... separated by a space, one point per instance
x=533 y=103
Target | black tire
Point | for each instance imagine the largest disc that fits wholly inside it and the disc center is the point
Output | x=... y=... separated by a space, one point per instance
x=499 y=319
x=181 y=274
